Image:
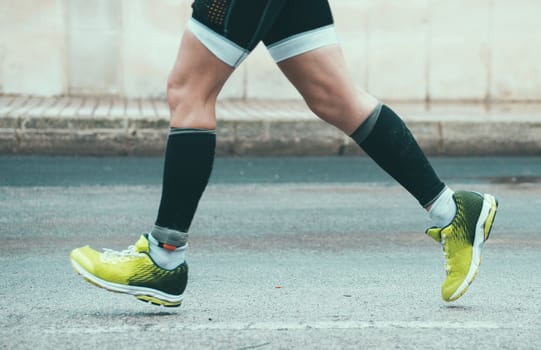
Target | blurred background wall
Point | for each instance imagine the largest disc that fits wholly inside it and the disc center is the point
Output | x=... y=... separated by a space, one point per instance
x=411 y=50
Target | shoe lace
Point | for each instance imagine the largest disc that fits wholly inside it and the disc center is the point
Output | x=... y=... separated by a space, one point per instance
x=115 y=256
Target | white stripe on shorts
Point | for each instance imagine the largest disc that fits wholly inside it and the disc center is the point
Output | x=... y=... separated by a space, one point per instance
x=303 y=42
x=223 y=48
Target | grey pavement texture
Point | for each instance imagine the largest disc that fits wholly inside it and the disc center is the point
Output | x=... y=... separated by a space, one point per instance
x=276 y=262
x=119 y=126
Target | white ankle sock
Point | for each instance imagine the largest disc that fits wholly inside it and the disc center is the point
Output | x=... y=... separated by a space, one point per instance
x=443 y=210
x=164 y=258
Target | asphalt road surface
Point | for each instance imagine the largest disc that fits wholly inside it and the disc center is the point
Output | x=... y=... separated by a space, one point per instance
x=287 y=253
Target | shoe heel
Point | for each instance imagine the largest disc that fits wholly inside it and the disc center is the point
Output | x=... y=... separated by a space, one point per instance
x=487 y=226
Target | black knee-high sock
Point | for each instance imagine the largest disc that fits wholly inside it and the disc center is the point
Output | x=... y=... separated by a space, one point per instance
x=389 y=142
x=189 y=158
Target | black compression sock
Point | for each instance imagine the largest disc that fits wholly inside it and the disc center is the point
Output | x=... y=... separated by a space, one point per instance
x=188 y=163
x=389 y=142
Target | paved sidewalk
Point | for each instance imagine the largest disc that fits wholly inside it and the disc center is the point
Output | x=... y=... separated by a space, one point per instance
x=118 y=126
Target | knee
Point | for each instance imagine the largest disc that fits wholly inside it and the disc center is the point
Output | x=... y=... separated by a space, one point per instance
x=324 y=107
x=175 y=91
x=346 y=111
x=188 y=109
x=333 y=108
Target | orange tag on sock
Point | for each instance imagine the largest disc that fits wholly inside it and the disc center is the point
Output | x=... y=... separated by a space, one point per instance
x=169 y=246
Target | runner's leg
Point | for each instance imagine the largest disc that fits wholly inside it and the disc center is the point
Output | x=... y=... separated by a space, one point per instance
x=310 y=57
x=153 y=269
x=463 y=220
x=220 y=35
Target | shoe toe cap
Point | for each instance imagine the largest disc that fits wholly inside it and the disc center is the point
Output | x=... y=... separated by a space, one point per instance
x=447 y=291
x=85 y=257
x=454 y=287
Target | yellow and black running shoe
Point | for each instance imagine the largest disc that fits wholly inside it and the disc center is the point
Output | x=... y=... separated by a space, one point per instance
x=133 y=272
x=462 y=240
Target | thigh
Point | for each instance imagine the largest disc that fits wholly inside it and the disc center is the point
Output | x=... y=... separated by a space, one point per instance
x=193 y=85
x=326 y=85
x=301 y=26
x=230 y=29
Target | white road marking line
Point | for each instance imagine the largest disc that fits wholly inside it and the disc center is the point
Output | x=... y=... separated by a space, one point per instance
x=281 y=326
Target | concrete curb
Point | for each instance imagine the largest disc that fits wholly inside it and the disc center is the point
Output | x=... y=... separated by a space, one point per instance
x=62 y=126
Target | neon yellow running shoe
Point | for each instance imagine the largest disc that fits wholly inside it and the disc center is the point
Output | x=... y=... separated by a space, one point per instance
x=133 y=272
x=462 y=240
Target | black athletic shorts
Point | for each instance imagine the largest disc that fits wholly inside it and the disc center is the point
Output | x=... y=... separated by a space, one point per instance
x=230 y=29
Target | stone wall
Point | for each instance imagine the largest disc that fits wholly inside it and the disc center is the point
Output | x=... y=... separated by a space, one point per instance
x=411 y=50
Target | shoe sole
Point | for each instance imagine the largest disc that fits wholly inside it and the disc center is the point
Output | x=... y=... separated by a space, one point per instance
x=144 y=294
x=482 y=232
